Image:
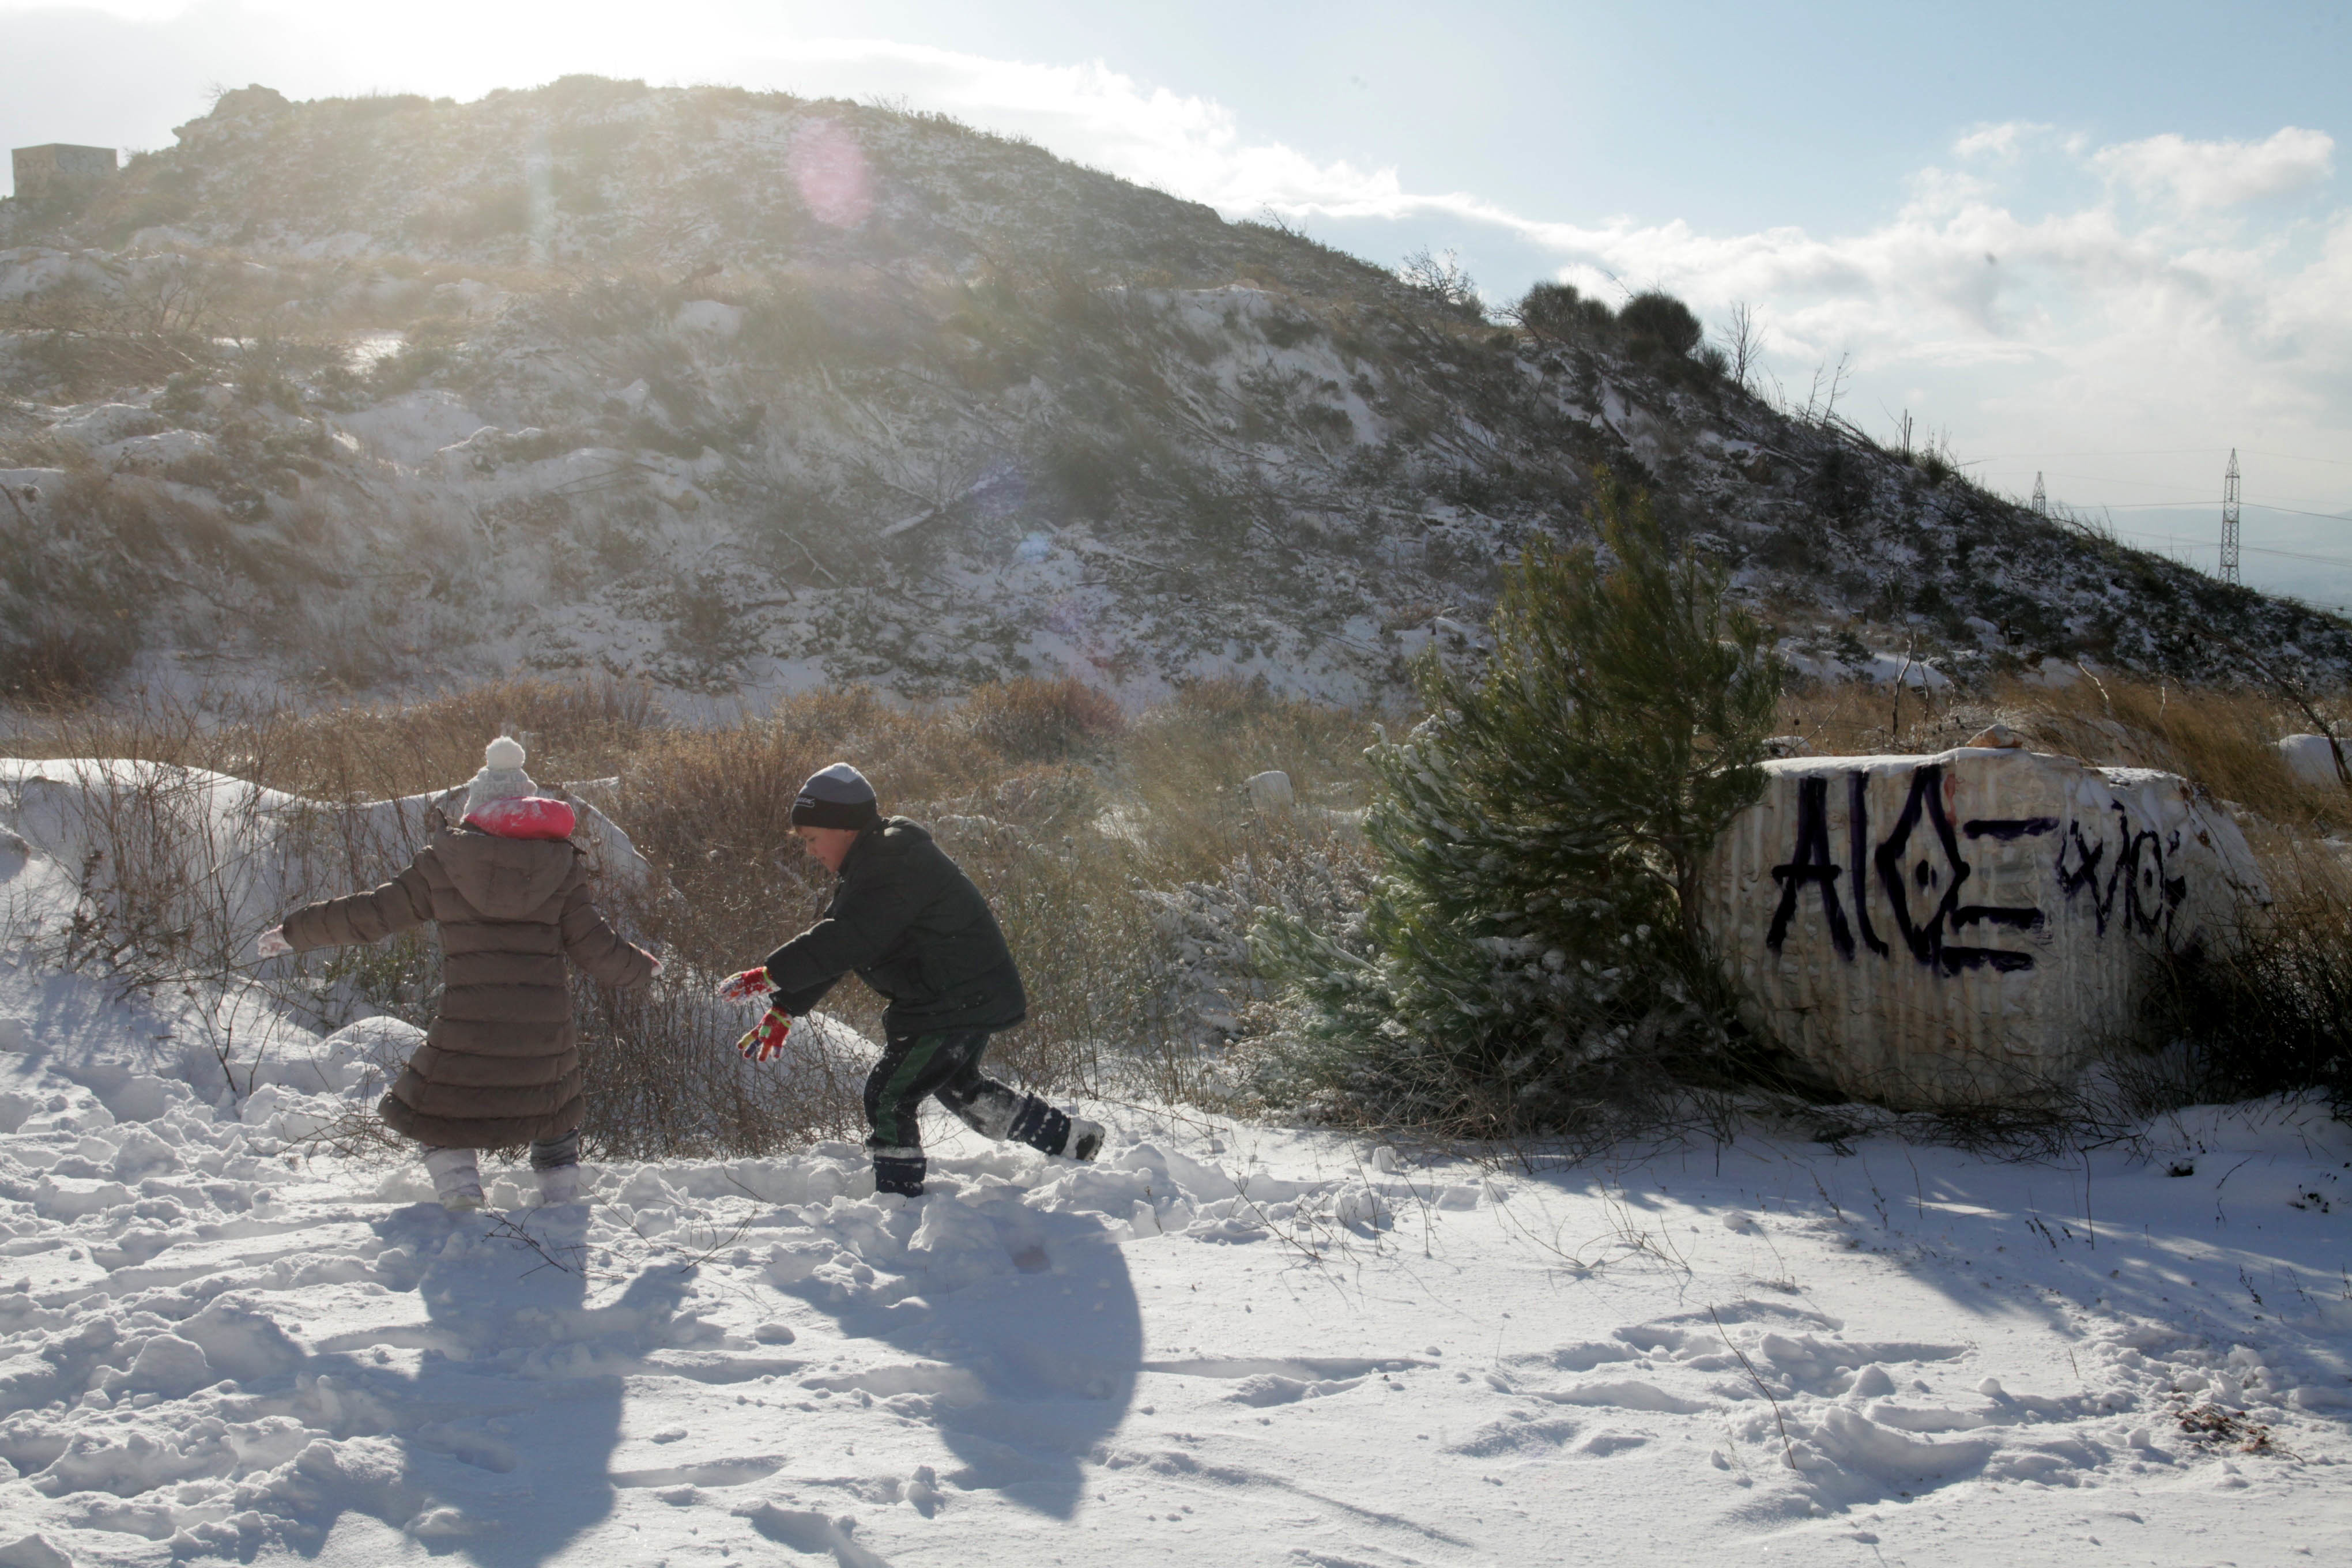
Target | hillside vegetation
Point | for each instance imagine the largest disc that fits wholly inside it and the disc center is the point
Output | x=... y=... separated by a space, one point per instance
x=745 y=392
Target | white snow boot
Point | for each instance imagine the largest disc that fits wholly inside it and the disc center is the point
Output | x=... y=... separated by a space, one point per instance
x=559 y=1184
x=457 y=1180
x=1085 y=1138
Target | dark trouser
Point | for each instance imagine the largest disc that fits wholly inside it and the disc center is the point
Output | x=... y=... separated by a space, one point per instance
x=554 y=1153
x=915 y=1067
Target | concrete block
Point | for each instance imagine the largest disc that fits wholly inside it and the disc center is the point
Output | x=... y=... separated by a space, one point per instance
x=1970 y=928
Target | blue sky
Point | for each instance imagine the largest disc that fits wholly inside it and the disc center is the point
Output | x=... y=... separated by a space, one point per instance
x=2103 y=242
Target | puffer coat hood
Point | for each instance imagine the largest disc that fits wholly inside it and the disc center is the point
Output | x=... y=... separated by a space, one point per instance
x=500 y=1065
x=505 y=879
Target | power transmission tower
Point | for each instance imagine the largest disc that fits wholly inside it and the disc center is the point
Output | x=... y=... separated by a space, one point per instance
x=2230 y=521
x=2041 y=497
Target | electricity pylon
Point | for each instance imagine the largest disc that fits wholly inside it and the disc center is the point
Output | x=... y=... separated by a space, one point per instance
x=2230 y=521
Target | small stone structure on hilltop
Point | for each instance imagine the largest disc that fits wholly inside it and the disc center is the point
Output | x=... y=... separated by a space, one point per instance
x=39 y=170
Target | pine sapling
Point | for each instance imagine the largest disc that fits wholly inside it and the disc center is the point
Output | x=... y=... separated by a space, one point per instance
x=1533 y=949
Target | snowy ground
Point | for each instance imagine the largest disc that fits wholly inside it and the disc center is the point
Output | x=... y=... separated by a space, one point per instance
x=1226 y=1343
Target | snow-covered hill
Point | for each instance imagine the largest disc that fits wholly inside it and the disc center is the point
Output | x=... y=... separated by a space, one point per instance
x=1225 y=1343
x=746 y=392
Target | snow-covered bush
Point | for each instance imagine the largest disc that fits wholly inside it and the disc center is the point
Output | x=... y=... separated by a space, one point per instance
x=1532 y=948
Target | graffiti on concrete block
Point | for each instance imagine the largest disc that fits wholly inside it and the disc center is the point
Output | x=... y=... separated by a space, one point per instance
x=1918 y=873
x=2133 y=883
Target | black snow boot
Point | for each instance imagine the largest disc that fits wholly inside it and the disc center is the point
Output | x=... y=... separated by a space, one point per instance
x=1040 y=1126
x=900 y=1173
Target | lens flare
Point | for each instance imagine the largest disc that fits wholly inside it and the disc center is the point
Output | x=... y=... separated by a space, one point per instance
x=830 y=169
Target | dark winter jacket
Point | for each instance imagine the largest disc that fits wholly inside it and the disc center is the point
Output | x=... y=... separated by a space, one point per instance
x=912 y=926
x=499 y=1065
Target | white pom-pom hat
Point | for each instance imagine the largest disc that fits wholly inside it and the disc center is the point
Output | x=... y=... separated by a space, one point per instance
x=502 y=777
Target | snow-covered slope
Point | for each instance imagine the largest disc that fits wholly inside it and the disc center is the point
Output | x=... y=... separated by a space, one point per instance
x=1223 y=1343
x=749 y=392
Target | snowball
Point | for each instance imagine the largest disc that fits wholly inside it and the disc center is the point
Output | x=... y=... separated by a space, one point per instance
x=1872 y=1383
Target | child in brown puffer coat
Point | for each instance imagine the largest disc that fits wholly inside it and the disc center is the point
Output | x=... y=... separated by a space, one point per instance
x=500 y=1065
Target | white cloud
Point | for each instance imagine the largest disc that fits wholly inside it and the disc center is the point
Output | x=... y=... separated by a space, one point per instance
x=2001 y=143
x=2205 y=174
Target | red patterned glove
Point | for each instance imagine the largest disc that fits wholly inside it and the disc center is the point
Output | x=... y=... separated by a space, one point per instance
x=744 y=987
x=767 y=1041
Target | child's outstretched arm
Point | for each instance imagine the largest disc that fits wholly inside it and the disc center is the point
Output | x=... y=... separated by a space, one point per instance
x=873 y=913
x=405 y=901
x=599 y=950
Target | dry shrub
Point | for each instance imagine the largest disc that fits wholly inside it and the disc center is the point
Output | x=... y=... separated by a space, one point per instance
x=2273 y=1015
x=1086 y=947
x=48 y=663
x=726 y=792
x=664 y=1079
x=1042 y=720
x=575 y=730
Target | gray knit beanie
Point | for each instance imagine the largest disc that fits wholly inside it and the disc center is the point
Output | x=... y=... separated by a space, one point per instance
x=502 y=777
x=837 y=796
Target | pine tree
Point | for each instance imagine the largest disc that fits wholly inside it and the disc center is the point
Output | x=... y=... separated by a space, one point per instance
x=1533 y=944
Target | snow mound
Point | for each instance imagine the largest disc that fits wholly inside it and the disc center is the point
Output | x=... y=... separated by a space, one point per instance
x=223 y=852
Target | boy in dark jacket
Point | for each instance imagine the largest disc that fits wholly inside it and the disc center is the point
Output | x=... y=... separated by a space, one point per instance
x=911 y=924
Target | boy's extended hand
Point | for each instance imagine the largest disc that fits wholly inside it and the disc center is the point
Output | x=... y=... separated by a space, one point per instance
x=744 y=987
x=273 y=944
x=766 y=1040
